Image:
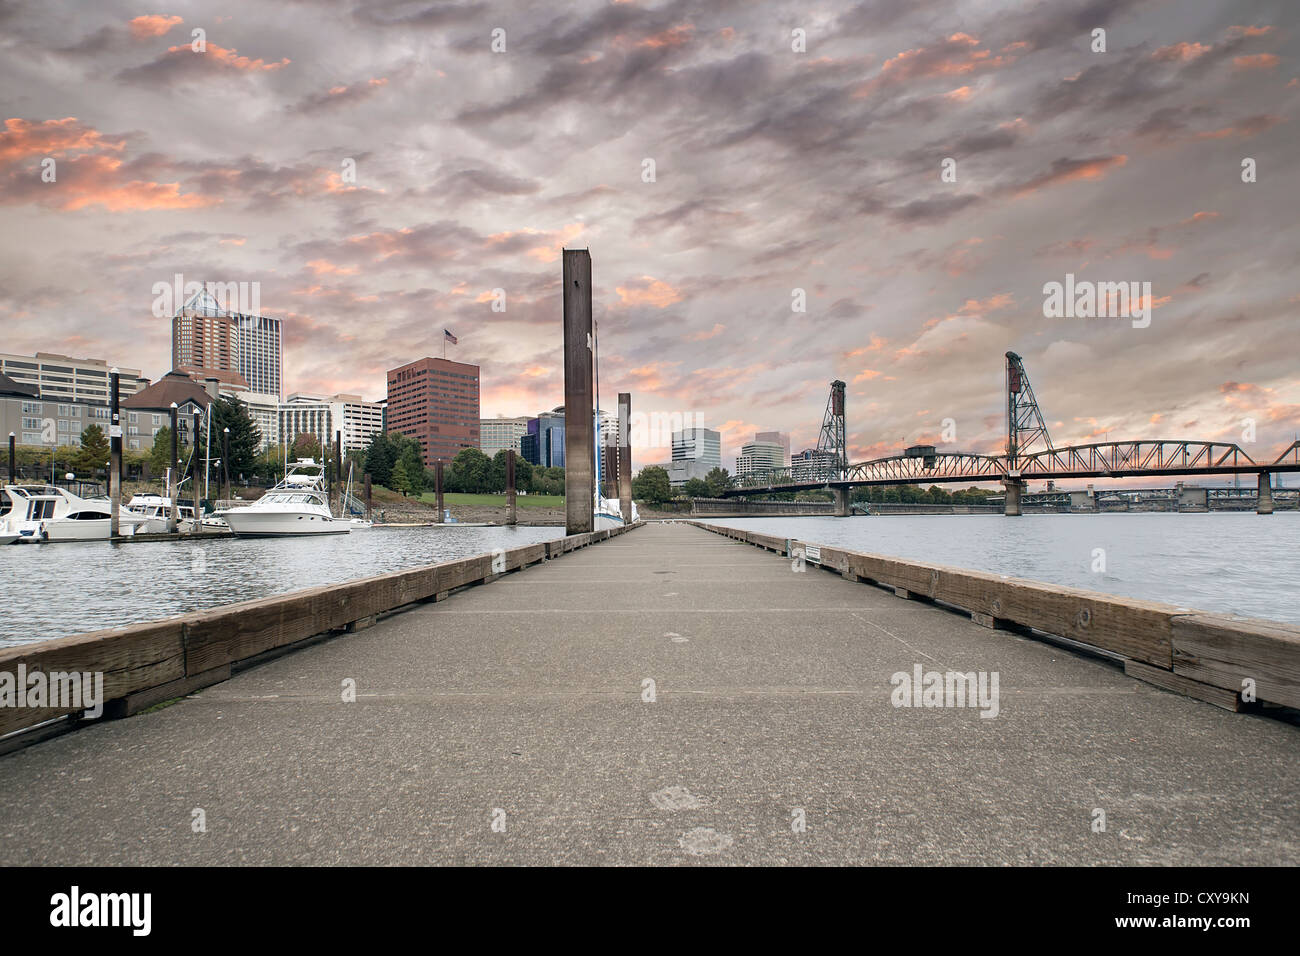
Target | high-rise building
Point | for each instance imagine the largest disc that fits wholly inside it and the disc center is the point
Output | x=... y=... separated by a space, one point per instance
x=323 y=417
x=759 y=457
x=812 y=464
x=543 y=443
x=696 y=452
x=60 y=378
x=204 y=338
x=436 y=402
x=501 y=434
x=260 y=356
x=204 y=335
x=780 y=438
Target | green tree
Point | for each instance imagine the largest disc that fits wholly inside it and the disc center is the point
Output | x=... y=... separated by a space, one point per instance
x=398 y=479
x=160 y=457
x=94 y=449
x=245 y=437
x=696 y=488
x=523 y=474
x=306 y=445
x=473 y=471
x=411 y=456
x=380 y=458
x=651 y=485
x=718 y=481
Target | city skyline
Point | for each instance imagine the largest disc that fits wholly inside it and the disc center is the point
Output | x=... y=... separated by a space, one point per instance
x=775 y=171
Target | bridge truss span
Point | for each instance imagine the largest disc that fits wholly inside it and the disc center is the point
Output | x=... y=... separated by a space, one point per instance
x=1144 y=457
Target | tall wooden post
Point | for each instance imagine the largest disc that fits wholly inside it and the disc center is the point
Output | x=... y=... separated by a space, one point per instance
x=174 y=491
x=579 y=450
x=13 y=461
x=369 y=507
x=338 y=468
x=225 y=460
x=437 y=486
x=114 y=479
x=512 y=515
x=194 y=478
x=625 y=456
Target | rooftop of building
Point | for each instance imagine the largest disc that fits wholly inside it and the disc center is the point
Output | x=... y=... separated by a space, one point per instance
x=175 y=386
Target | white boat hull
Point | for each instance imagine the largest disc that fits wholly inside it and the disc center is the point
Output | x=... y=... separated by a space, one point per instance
x=253 y=523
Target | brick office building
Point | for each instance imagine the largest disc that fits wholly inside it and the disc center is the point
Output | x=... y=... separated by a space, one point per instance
x=436 y=402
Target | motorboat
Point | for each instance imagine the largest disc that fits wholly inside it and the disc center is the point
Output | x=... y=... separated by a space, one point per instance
x=39 y=513
x=298 y=505
x=156 y=509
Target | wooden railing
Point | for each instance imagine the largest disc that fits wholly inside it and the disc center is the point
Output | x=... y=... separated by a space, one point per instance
x=1213 y=657
x=143 y=664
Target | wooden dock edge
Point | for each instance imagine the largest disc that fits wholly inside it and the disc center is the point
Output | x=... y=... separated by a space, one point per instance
x=144 y=664
x=1223 y=659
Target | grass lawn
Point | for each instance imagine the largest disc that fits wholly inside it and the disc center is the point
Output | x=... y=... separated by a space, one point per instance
x=494 y=501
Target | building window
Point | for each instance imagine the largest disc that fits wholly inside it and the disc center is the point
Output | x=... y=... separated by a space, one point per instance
x=132 y=417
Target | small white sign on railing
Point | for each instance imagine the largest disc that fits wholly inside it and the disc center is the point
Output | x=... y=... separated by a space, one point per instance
x=812 y=553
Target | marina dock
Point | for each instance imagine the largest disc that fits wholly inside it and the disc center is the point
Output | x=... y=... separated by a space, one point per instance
x=668 y=695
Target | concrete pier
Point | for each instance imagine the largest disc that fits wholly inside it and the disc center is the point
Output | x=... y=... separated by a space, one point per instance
x=1015 y=487
x=1264 y=505
x=712 y=696
x=841 y=502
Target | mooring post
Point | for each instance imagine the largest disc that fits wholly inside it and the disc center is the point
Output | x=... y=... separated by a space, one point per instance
x=1264 y=503
x=194 y=478
x=437 y=485
x=338 y=470
x=370 y=510
x=579 y=426
x=13 y=461
x=512 y=515
x=173 y=480
x=225 y=461
x=625 y=456
x=114 y=478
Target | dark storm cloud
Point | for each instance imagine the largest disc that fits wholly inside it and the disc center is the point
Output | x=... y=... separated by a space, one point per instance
x=775 y=171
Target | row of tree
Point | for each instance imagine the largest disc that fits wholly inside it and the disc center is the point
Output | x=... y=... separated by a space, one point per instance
x=397 y=462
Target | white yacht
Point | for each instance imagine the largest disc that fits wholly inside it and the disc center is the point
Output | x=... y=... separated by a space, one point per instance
x=297 y=505
x=155 y=509
x=39 y=513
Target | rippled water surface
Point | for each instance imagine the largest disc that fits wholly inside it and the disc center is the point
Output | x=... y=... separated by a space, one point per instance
x=53 y=590
x=1239 y=563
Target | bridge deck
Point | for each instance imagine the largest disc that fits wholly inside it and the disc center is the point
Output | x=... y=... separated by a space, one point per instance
x=773 y=694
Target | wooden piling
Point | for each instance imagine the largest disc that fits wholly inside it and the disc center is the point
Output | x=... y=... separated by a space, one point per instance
x=194 y=478
x=625 y=456
x=114 y=478
x=370 y=510
x=437 y=485
x=579 y=451
x=225 y=461
x=512 y=516
x=173 y=480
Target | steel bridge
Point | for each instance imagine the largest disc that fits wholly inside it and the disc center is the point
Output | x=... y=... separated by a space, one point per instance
x=1030 y=454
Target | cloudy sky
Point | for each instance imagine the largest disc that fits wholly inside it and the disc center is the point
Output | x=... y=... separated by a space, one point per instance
x=775 y=169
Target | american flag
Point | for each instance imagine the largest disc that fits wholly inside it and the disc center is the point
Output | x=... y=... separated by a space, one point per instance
x=446 y=333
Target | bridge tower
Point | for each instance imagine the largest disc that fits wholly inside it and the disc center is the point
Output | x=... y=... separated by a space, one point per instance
x=832 y=438
x=1025 y=428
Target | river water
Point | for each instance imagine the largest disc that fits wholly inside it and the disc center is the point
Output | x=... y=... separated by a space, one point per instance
x=1237 y=563
x=1228 y=562
x=54 y=590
